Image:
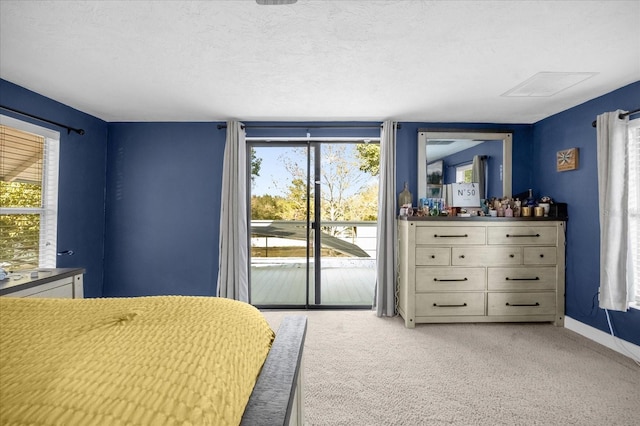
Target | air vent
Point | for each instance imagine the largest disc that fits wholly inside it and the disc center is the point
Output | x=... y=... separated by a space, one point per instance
x=274 y=2
x=546 y=84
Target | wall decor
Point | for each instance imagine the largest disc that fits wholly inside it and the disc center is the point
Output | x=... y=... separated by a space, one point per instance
x=435 y=176
x=567 y=159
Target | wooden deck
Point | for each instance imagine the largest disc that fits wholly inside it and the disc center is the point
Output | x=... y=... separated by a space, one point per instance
x=284 y=284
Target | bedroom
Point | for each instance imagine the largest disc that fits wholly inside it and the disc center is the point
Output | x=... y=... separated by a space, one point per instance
x=161 y=239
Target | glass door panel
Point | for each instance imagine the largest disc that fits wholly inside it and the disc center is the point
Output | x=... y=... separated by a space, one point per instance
x=313 y=224
x=347 y=207
x=279 y=225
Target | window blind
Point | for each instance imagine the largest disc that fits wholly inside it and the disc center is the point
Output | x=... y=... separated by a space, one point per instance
x=28 y=196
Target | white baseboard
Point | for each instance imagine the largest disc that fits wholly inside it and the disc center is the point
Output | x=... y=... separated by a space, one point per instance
x=623 y=347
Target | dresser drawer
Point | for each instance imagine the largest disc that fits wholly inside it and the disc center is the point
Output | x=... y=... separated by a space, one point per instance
x=450 y=235
x=522 y=235
x=433 y=256
x=524 y=278
x=449 y=279
x=486 y=256
x=445 y=304
x=521 y=303
x=540 y=256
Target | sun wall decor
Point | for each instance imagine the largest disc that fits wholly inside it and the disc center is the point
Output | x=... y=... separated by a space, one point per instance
x=567 y=159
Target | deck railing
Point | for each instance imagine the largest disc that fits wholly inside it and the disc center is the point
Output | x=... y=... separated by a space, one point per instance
x=288 y=238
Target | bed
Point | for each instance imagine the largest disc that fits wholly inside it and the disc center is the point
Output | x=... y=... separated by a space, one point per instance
x=148 y=360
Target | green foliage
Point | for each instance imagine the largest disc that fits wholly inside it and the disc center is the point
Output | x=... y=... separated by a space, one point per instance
x=20 y=233
x=369 y=156
x=267 y=207
x=256 y=163
x=20 y=194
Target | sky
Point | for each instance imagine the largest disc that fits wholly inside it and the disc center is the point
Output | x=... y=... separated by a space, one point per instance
x=274 y=177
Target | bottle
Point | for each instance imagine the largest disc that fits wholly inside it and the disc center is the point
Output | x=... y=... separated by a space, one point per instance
x=531 y=202
x=516 y=208
x=405 y=196
x=509 y=211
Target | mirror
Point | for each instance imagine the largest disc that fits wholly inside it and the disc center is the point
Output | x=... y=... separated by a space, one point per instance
x=451 y=153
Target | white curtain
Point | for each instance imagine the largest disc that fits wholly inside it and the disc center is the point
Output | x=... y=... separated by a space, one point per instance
x=233 y=273
x=385 y=295
x=615 y=266
x=478 y=174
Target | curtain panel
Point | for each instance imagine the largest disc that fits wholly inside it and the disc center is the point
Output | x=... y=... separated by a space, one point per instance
x=386 y=258
x=616 y=285
x=233 y=268
x=478 y=174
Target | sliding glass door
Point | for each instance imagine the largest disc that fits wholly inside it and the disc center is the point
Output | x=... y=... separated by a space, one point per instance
x=313 y=223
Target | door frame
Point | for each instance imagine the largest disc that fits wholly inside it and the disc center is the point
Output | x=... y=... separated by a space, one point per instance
x=312 y=223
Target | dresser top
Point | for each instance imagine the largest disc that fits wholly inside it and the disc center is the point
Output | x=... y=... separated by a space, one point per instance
x=20 y=280
x=479 y=219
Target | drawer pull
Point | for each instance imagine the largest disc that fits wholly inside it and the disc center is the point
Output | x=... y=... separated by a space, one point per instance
x=433 y=256
x=521 y=236
x=461 y=256
x=522 y=304
x=522 y=279
x=512 y=255
x=541 y=255
x=450 y=236
x=449 y=306
x=451 y=279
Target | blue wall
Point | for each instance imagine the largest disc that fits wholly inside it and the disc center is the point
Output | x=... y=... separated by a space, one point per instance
x=81 y=185
x=579 y=188
x=163 y=195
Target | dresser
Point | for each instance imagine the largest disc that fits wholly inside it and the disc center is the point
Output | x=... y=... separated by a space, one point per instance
x=55 y=283
x=481 y=270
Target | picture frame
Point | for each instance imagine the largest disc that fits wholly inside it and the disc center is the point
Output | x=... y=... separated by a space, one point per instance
x=434 y=173
x=435 y=179
x=567 y=160
x=434 y=191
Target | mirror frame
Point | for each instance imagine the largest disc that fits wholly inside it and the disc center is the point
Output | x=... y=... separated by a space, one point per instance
x=490 y=135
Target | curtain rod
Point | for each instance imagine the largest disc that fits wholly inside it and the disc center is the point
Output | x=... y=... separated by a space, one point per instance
x=620 y=116
x=69 y=129
x=302 y=126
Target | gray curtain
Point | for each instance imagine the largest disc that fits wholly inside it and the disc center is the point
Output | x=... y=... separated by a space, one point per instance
x=233 y=268
x=385 y=294
x=478 y=174
x=616 y=283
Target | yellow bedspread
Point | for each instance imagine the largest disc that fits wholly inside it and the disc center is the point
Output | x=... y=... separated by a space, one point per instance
x=149 y=360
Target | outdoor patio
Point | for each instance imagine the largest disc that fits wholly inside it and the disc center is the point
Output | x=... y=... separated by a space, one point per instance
x=349 y=283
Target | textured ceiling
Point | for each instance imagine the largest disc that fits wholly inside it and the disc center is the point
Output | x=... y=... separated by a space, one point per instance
x=316 y=59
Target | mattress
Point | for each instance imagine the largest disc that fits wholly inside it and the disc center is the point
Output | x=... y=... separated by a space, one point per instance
x=148 y=360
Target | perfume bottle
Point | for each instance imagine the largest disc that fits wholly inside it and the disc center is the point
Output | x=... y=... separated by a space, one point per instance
x=404 y=198
x=531 y=202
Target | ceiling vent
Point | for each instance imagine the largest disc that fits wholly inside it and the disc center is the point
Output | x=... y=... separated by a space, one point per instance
x=274 y=2
x=546 y=84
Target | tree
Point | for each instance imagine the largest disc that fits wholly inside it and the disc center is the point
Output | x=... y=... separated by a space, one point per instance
x=267 y=207
x=20 y=233
x=369 y=156
x=256 y=163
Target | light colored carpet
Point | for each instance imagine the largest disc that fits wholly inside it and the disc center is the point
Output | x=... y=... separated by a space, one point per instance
x=365 y=370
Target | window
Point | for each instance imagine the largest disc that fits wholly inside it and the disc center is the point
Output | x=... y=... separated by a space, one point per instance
x=634 y=202
x=464 y=173
x=28 y=195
